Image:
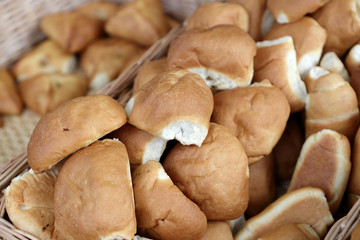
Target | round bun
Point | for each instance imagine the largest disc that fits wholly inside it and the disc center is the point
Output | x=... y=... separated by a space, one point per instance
x=354 y=183
x=222 y=55
x=210 y=14
x=333 y=63
x=100 y=10
x=10 y=101
x=217 y=230
x=292 y=231
x=247 y=114
x=94 y=195
x=162 y=210
x=29 y=202
x=173 y=105
x=215 y=177
x=305 y=205
x=324 y=163
x=72 y=126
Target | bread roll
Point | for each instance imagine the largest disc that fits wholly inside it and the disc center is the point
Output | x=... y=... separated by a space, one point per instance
x=324 y=163
x=315 y=73
x=352 y=60
x=354 y=184
x=210 y=14
x=217 y=230
x=305 y=205
x=162 y=210
x=145 y=22
x=355 y=84
x=309 y=39
x=45 y=92
x=47 y=57
x=148 y=71
x=247 y=114
x=99 y=10
x=286 y=11
x=10 y=101
x=73 y=31
x=222 y=55
x=292 y=231
x=104 y=59
x=332 y=62
x=72 y=126
x=341 y=20
x=173 y=105
x=29 y=202
x=276 y=60
x=94 y=196
x=214 y=176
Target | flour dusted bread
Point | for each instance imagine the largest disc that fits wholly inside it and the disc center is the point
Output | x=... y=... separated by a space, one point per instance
x=72 y=126
x=162 y=210
x=101 y=10
x=173 y=105
x=292 y=231
x=222 y=55
x=10 y=101
x=94 y=196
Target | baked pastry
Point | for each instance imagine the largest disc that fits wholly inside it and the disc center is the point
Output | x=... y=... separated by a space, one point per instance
x=101 y=10
x=291 y=231
x=352 y=60
x=217 y=230
x=10 y=101
x=333 y=63
x=354 y=184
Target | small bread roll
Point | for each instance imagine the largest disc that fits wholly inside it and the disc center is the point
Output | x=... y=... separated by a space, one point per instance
x=261 y=185
x=145 y=22
x=73 y=31
x=215 y=177
x=354 y=184
x=324 y=163
x=45 y=92
x=217 y=230
x=162 y=210
x=255 y=9
x=286 y=11
x=341 y=20
x=332 y=62
x=29 y=202
x=291 y=231
x=223 y=55
x=10 y=101
x=99 y=10
x=352 y=60
x=104 y=59
x=173 y=105
x=315 y=73
x=47 y=57
x=331 y=104
x=309 y=39
x=148 y=71
x=94 y=196
x=355 y=84
x=210 y=14
x=276 y=61
x=247 y=114
x=305 y=205
x=73 y=125
x=141 y=146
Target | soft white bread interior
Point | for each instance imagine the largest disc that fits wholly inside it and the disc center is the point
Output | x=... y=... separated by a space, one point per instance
x=332 y=62
x=352 y=60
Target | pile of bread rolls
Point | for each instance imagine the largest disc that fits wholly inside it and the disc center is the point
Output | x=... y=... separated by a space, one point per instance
x=84 y=50
x=247 y=129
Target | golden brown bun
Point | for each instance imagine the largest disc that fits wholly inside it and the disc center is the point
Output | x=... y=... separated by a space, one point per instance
x=247 y=114
x=352 y=60
x=148 y=71
x=333 y=63
x=104 y=59
x=45 y=92
x=173 y=105
x=309 y=39
x=217 y=230
x=305 y=205
x=286 y=11
x=276 y=61
x=29 y=202
x=261 y=185
x=354 y=183
x=342 y=116
x=99 y=10
x=255 y=9
x=145 y=22
x=73 y=31
x=73 y=125
x=210 y=14
x=222 y=55
x=214 y=176
x=341 y=20
x=287 y=150
x=10 y=101
x=47 y=57
x=356 y=233
x=94 y=195
x=324 y=162
x=291 y=231
x=162 y=210
x=141 y=146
